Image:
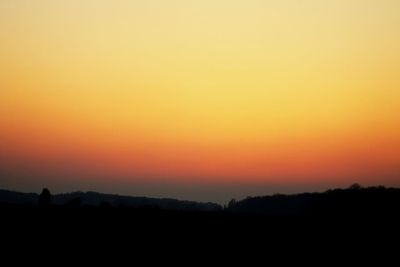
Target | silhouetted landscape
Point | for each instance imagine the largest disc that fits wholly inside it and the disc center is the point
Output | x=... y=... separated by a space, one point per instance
x=352 y=201
x=94 y=199
x=356 y=214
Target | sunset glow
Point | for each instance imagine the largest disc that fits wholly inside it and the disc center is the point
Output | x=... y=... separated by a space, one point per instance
x=227 y=92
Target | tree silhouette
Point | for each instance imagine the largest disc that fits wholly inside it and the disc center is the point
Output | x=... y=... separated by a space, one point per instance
x=355 y=186
x=232 y=203
x=45 y=198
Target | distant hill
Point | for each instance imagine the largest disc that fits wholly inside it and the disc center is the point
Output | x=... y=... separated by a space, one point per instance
x=13 y=197
x=352 y=201
x=96 y=199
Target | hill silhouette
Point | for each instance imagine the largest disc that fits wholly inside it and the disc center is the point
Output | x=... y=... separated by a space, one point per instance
x=97 y=199
x=352 y=217
x=354 y=200
x=351 y=202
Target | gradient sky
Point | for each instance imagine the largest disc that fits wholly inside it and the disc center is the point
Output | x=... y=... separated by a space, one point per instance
x=203 y=100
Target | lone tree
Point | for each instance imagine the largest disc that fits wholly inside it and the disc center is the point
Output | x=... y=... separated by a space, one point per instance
x=232 y=203
x=45 y=198
x=355 y=187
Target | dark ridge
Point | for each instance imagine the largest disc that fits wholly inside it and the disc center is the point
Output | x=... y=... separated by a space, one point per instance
x=12 y=197
x=352 y=201
x=97 y=199
x=353 y=218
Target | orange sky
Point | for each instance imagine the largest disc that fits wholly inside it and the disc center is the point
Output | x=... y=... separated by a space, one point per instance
x=199 y=92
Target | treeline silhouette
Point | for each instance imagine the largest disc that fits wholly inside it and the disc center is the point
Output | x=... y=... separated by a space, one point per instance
x=354 y=204
x=279 y=221
x=94 y=199
x=355 y=200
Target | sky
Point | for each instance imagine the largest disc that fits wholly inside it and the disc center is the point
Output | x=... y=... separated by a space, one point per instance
x=202 y=100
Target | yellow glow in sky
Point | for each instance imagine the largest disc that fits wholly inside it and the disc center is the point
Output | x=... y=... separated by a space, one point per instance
x=240 y=89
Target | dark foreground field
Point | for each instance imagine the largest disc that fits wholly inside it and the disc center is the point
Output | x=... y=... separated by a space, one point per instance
x=337 y=220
